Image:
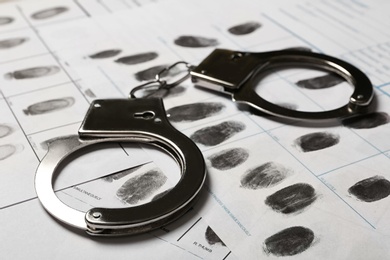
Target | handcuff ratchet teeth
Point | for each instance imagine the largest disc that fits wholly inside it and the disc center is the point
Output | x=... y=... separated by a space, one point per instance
x=236 y=73
x=121 y=120
x=144 y=120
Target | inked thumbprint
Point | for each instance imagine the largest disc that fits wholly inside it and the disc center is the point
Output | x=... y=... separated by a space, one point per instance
x=6 y=20
x=244 y=28
x=316 y=141
x=292 y=199
x=229 y=158
x=49 y=13
x=121 y=174
x=195 y=41
x=212 y=238
x=266 y=175
x=105 y=54
x=326 y=81
x=30 y=73
x=141 y=187
x=49 y=106
x=289 y=241
x=371 y=189
x=11 y=43
x=150 y=73
x=214 y=135
x=195 y=111
x=137 y=58
x=367 y=121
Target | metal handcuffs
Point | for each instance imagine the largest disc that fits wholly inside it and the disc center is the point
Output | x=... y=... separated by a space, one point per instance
x=144 y=120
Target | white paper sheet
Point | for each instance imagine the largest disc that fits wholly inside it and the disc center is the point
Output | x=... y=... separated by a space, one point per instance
x=334 y=223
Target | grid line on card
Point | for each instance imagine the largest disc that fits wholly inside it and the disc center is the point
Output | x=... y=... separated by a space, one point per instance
x=196 y=222
x=39 y=89
x=82 y=8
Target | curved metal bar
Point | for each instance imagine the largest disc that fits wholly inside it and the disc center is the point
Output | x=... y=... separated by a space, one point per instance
x=120 y=121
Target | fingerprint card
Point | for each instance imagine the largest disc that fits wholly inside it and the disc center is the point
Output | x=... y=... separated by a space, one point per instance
x=49 y=108
x=17 y=160
x=40 y=12
x=27 y=75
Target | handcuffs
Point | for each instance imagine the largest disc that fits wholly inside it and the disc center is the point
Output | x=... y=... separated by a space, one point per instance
x=144 y=120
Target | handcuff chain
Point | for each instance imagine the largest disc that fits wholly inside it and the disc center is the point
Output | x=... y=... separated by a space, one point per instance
x=159 y=84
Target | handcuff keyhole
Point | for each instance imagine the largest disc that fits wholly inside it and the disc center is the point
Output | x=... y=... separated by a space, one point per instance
x=144 y=115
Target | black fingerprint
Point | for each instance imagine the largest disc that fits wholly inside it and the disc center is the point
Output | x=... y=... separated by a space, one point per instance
x=6 y=20
x=160 y=195
x=229 y=158
x=316 y=141
x=217 y=134
x=10 y=43
x=292 y=199
x=49 y=13
x=371 y=189
x=196 y=41
x=245 y=28
x=367 y=121
x=6 y=151
x=30 y=73
x=212 y=238
x=266 y=175
x=321 y=82
x=289 y=241
x=195 y=111
x=150 y=73
x=49 y=106
x=141 y=187
x=105 y=54
x=5 y=130
x=138 y=58
x=119 y=175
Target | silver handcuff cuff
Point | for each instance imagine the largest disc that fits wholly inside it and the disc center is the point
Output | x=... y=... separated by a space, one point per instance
x=144 y=120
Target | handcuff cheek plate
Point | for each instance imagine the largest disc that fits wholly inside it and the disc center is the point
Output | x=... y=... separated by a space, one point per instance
x=236 y=73
x=119 y=120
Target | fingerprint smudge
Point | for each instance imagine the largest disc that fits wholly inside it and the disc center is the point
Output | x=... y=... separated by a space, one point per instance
x=245 y=28
x=105 y=54
x=138 y=58
x=321 y=82
x=30 y=73
x=213 y=135
x=367 y=121
x=195 y=111
x=292 y=199
x=49 y=13
x=10 y=43
x=6 y=151
x=316 y=141
x=141 y=187
x=290 y=241
x=49 y=106
x=229 y=158
x=5 y=130
x=266 y=175
x=212 y=238
x=371 y=189
x=196 y=42
x=6 y=20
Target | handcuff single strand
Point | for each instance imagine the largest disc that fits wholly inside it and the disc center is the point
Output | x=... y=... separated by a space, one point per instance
x=144 y=120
